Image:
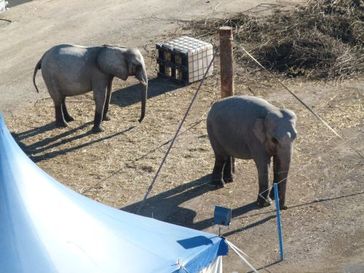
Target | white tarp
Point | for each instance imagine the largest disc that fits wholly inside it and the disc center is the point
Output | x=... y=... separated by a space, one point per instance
x=46 y=227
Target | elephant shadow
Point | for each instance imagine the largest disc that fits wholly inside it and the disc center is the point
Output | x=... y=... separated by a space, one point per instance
x=14 y=3
x=45 y=148
x=40 y=150
x=166 y=207
x=131 y=94
x=34 y=131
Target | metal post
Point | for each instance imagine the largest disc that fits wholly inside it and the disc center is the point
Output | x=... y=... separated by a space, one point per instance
x=226 y=61
x=279 y=225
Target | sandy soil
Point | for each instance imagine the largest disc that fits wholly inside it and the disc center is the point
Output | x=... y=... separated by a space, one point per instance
x=37 y=25
x=324 y=223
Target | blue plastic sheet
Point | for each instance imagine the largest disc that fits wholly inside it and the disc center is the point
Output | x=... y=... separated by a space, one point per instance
x=46 y=227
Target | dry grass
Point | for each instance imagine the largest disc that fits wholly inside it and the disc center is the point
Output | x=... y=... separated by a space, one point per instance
x=117 y=166
x=323 y=40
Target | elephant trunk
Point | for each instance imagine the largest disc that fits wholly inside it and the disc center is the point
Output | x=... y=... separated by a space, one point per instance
x=144 y=92
x=141 y=75
x=281 y=166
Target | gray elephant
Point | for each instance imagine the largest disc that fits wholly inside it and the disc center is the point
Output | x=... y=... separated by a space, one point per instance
x=248 y=127
x=70 y=70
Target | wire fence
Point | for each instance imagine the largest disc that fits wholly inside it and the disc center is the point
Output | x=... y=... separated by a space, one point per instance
x=176 y=134
x=171 y=141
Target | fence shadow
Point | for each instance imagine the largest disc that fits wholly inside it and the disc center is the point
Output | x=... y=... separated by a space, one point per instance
x=271 y=213
x=166 y=207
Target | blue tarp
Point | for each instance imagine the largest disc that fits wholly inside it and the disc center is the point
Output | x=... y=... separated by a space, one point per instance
x=46 y=227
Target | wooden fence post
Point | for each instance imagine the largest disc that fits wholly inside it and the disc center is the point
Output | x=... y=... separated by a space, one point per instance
x=226 y=61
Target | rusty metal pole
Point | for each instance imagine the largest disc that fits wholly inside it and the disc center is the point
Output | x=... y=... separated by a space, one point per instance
x=226 y=61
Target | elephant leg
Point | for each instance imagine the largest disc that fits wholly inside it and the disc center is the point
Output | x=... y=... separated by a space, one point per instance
x=228 y=170
x=218 y=170
x=282 y=194
x=107 y=101
x=66 y=115
x=60 y=121
x=263 y=176
x=100 y=97
x=58 y=99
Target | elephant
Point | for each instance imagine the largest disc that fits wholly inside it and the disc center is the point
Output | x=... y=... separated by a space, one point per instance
x=70 y=70
x=248 y=127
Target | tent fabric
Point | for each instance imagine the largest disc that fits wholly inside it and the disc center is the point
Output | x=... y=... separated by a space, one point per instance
x=215 y=267
x=46 y=227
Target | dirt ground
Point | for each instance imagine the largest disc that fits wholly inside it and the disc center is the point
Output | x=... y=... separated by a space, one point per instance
x=324 y=224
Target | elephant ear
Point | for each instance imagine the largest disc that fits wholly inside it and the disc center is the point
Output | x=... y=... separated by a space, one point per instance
x=112 y=61
x=259 y=130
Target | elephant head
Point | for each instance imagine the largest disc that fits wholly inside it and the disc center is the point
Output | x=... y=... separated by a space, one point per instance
x=122 y=63
x=277 y=132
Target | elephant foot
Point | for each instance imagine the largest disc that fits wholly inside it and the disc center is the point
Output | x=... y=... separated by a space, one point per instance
x=97 y=129
x=69 y=118
x=61 y=124
x=228 y=179
x=261 y=202
x=106 y=118
x=282 y=206
x=218 y=183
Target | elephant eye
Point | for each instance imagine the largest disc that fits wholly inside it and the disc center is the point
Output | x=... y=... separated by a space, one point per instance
x=274 y=140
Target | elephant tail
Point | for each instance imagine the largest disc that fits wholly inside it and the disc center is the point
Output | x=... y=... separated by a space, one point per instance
x=37 y=67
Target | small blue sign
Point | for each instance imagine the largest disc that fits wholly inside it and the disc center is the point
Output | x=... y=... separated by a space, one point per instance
x=222 y=216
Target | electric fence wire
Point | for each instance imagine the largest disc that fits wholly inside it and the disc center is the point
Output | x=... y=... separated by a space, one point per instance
x=176 y=134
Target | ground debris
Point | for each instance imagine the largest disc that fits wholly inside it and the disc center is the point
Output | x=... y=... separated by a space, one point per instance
x=322 y=40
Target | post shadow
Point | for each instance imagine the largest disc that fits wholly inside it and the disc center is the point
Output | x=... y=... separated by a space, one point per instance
x=265 y=267
x=131 y=94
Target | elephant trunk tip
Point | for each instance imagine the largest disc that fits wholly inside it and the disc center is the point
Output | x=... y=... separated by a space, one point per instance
x=142 y=115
